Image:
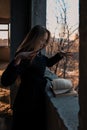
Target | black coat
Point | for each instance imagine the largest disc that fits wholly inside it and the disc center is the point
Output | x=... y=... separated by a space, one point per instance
x=30 y=99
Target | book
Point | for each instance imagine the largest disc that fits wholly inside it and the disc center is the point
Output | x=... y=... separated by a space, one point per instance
x=61 y=87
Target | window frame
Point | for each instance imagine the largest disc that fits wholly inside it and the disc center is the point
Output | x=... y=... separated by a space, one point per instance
x=8 y=34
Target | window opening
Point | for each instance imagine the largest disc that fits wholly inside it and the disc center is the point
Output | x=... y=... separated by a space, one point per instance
x=4 y=35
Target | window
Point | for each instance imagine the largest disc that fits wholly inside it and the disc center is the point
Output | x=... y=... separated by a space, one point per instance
x=4 y=35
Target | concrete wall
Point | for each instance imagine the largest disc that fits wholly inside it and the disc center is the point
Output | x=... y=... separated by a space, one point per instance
x=83 y=66
x=4 y=8
x=38 y=15
x=4 y=54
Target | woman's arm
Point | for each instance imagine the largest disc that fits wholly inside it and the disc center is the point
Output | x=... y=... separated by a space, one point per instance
x=57 y=57
x=54 y=59
x=10 y=74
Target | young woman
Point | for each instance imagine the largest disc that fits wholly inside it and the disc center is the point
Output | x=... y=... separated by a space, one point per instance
x=29 y=108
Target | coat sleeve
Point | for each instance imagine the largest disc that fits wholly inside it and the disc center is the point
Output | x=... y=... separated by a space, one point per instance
x=10 y=74
x=54 y=59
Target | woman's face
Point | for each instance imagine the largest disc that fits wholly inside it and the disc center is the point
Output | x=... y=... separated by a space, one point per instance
x=41 y=42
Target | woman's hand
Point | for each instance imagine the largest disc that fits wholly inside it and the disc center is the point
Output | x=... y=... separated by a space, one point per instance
x=24 y=55
x=66 y=54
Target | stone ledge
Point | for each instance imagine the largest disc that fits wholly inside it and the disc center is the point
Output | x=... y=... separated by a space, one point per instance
x=66 y=109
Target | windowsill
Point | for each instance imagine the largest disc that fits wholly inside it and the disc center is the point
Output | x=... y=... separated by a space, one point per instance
x=66 y=108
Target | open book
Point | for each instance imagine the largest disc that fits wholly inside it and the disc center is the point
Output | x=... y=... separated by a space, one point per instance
x=62 y=87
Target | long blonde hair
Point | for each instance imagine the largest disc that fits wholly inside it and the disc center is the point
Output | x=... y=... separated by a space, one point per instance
x=28 y=43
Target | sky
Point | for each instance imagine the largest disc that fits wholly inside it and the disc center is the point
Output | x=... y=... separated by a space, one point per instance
x=53 y=8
